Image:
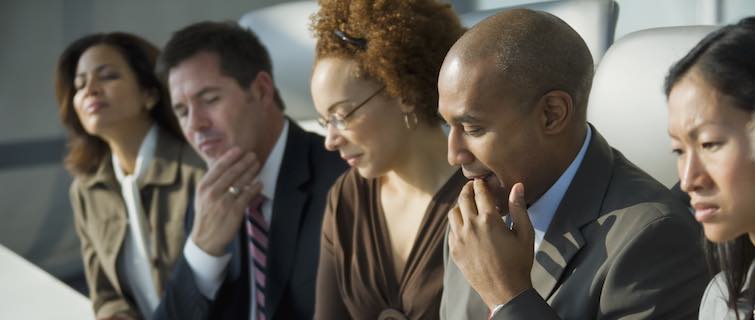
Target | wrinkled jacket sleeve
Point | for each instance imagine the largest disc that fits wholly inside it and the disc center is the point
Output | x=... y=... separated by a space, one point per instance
x=182 y=298
x=106 y=300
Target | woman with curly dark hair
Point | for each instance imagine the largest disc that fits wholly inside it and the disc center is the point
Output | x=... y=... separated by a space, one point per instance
x=134 y=174
x=711 y=103
x=375 y=87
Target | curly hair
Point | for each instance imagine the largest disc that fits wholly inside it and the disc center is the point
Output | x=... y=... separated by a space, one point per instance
x=401 y=43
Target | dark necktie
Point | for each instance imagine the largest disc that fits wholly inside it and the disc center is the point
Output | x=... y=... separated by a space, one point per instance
x=257 y=230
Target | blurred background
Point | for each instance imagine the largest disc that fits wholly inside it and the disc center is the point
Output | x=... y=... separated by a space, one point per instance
x=35 y=214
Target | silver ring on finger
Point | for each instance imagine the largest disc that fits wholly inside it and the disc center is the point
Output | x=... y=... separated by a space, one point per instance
x=234 y=191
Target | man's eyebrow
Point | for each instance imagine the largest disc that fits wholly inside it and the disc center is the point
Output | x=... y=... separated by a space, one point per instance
x=197 y=96
x=205 y=91
x=465 y=118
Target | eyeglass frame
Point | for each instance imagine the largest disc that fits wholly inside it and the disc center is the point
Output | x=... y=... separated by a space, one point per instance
x=337 y=119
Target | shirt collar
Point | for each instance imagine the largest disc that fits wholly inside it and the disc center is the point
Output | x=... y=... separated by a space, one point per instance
x=143 y=158
x=542 y=211
x=269 y=173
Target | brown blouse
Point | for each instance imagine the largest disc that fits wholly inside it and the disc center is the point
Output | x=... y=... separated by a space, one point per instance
x=356 y=278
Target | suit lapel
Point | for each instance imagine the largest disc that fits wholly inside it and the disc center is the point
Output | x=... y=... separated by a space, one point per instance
x=288 y=207
x=581 y=204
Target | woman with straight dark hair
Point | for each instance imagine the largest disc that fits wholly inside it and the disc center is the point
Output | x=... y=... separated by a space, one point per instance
x=711 y=98
x=134 y=174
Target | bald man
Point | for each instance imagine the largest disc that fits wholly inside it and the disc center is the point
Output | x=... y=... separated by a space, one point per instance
x=588 y=235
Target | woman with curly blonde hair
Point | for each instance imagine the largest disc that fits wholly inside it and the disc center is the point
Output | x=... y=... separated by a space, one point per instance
x=375 y=87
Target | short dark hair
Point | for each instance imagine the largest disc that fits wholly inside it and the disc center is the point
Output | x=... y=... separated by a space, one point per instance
x=242 y=56
x=86 y=151
x=533 y=52
x=725 y=61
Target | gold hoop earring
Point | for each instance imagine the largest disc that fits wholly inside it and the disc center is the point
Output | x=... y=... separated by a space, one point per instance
x=410 y=120
x=150 y=106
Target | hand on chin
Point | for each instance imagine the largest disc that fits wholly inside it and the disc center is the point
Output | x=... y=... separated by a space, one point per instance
x=211 y=156
x=499 y=192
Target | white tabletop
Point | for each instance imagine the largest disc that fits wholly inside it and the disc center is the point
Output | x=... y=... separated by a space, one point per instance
x=28 y=292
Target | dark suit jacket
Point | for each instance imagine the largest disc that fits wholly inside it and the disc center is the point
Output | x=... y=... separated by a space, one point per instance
x=306 y=174
x=620 y=246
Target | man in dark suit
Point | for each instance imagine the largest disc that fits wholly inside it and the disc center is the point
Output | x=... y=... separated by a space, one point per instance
x=588 y=234
x=253 y=246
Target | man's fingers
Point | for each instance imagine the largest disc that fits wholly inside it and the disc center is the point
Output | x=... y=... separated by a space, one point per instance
x=518 y=212
x=228 y=178
x=248 y=177
x=247 y=194
x=466 y=203
x=454 y=219
x=216 y=169
x=451 y=244
x=484 y=200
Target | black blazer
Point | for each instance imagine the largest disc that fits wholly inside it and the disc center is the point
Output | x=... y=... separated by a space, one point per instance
x=306 y=174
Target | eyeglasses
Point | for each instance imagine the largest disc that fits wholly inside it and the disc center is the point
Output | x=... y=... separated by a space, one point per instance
x=339 y=121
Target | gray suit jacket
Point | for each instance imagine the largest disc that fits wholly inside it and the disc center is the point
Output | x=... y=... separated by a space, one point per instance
x=620 y=246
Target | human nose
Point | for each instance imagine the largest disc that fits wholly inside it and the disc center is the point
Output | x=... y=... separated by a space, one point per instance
x=333 y=138
x=458 y=154
x=197 y=120
x=692 y=173
x=92 y=87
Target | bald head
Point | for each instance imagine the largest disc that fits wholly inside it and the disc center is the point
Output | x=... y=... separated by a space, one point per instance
x=532 y=52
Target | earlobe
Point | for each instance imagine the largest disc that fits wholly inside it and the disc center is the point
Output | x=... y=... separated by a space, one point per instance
x=558 y=109
x=150 y=100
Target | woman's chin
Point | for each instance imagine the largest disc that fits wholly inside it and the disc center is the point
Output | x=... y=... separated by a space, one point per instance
x=718 y=234
x=368 y=172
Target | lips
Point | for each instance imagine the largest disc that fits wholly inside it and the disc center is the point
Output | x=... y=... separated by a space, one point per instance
x=485 y=175
x=476 y=173
x=472 y=176
x=495 y=185
x=705 y=211
x=95 y=106
x=209 y=146
x=352 y=160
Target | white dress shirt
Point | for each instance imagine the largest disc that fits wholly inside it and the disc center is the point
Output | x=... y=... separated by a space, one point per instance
x=210 y=270
x=134 y=262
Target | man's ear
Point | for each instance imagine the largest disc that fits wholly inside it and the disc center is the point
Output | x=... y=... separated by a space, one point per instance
x=262 y=88
x=557 y=109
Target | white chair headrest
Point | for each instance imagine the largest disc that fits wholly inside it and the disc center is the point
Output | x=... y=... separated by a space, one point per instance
x=627 y=103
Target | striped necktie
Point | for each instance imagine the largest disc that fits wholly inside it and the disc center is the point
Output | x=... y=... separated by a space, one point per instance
x=257 y=230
